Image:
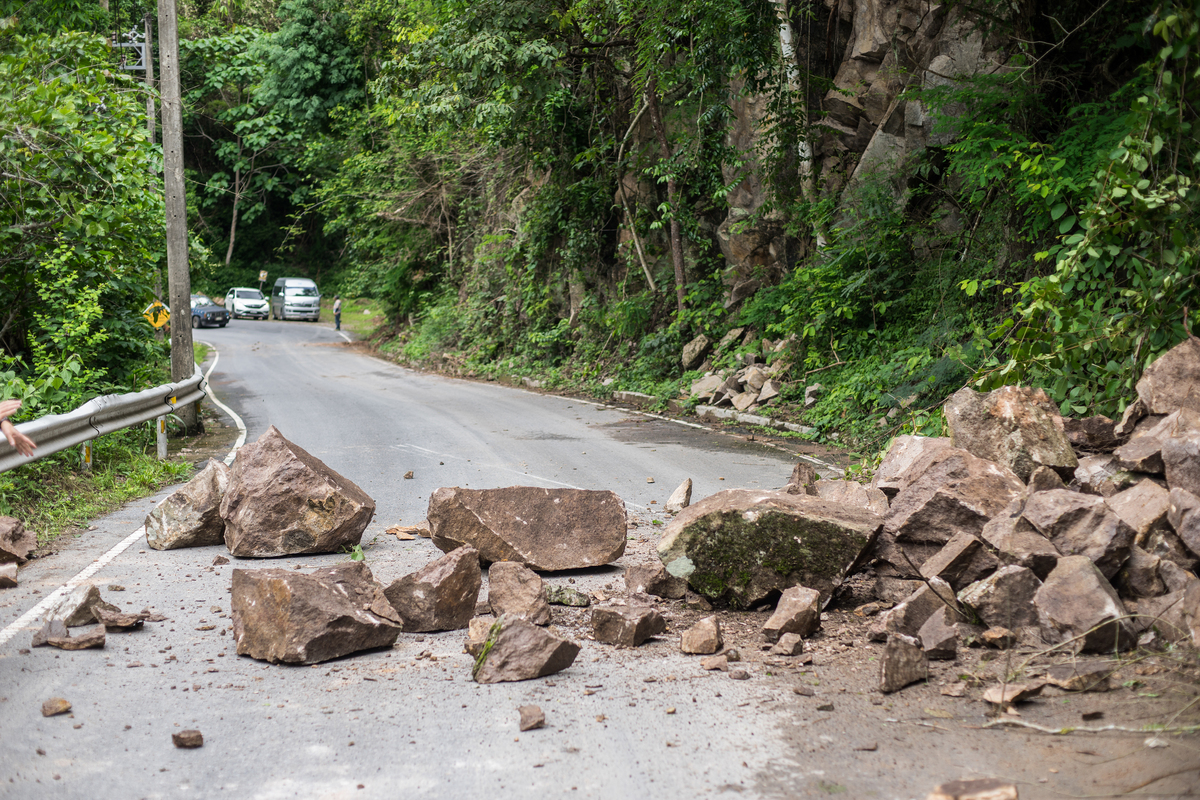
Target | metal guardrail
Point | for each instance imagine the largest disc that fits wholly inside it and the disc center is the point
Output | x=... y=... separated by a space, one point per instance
x=105 y=414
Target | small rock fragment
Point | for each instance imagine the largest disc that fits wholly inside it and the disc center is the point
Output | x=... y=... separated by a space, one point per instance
x=532 y=717
x=88 y=638
x=408 y=476
x=903 y=662
x=739 y=675
x=680 y=499
x=75 y=608
x=567 y=596
x=789 y=644
x=477 y=633
x=518 y=591
x=798 y=611
x=655 y=580
x=114 y=619
x=220 y=561
x=626 y=626
x=55 y=706
x=981 y=789
x=54 y=628
x=16 y=541
x=715 y=662
x=187 y=739
x=999 y=638
x=1081 y=676
x=8 y=576
x=1003 y=694
x=702 y=638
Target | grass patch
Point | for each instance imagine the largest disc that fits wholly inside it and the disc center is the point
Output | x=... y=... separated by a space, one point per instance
x=360 y=316
x=55 y=494
x=200 y=352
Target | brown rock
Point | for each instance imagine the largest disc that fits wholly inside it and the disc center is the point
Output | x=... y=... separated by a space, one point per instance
x=949 y=491
x=75 y=607
x=517 y=650
x=939 y=636
x=1143 y=507
x=1015 y=426
x=532 y=718
x=191 y=517
x=903 y=662
x=1044 y=479
x=693 y=353
x=998 y=637
x=1139 y=577
x=803 y=480
x=283 y=501
x=1172 y=381
x=291 y=617
x=54 y=628
x=1143 y=451
x=909 y=616
x=626 y=626
x=962 y=561
x=114 y=619
x=1184 y=516
x=220 y=561
x=715 y=663
x=789 y=644
x=1081 y=524
x=1008 y=693
x=976 y=789
x=55 y=706
x=905 y=451
x=680 y=499
x=1004 y=598
x=1094 y=434
x=16 y=543
x=88 y=638
x=1081 y=676
x=441 y=596
x=798 y=611
x=742 y=545
x=1077 y=604
x=8 y=575
x=517 y=591
x=703 y=638
x=853 y=493
x=187 y=739
x=477 y=633
x=545 y=529
x=891 y=591
x=1181 y=458
x=1103 y=475
x=1018 y=543
x=654 y=579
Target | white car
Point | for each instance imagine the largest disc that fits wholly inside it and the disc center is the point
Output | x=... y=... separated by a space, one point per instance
x=244 y=302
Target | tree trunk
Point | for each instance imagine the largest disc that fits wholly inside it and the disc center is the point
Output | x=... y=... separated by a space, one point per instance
x=237 y=197
x=672 y=194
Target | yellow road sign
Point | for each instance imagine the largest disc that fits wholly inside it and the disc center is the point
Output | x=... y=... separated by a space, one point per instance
x=262 y=275
x=157 y=314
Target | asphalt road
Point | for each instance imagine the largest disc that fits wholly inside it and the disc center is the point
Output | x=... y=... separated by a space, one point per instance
x=383 y=724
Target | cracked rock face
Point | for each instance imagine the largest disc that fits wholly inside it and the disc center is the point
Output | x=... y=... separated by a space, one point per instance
x=191 y=517
x=441 y=596
x=282 y=500
x=741 y=546
x=544 y=529
x=1015 y=426
x=297 y=618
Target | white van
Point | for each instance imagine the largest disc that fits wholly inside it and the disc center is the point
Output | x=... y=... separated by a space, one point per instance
x=295 y=298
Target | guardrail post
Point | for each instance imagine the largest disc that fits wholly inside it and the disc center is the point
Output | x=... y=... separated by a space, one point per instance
x=160 y=425
x=87 y=455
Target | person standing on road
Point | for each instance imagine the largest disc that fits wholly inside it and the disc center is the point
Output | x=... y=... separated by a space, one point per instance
x=19 y=441
x=337 y=313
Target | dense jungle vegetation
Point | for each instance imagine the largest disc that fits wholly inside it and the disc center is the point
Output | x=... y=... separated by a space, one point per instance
x=538 y=187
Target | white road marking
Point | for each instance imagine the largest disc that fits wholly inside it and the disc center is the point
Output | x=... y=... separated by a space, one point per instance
x=23 y=622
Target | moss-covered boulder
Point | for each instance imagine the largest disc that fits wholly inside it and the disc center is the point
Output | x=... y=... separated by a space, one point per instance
x=742 y=546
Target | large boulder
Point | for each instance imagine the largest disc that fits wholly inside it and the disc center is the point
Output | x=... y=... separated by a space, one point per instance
x=1076 y=605
x=1015 y=426
x=1081 y=524
x=902 y=455
x=191 y=517
x=545 y=529
x=282 y=500
x=296 y=618
x=742 y=546
x=16 y=542
x=441 y=596
x=517 y=650
x=947 y=492
x=1172 y=382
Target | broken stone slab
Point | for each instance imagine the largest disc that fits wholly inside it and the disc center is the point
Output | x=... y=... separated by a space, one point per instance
x=1184 y=516
x=191 y=517
x=52 y=629
x=681 y=498
x=1076 y=605
x=744 y=401
x=812 y=393
x=1016 y=426
x=1092 y=434
x=281 y=500
x=853 y=493
x=706 y=387
x=798 y=611
x=1133 y=414
x=1172 y=381
x=962 y=561
x=441 y=596
x=1081 y=524
x=8 y=576
x=904 y=452
x=1081 y=676
x=974 y=789
x=16 y=542
x=187 y=740
x=1143 y=451
x=1004 y=598
x=1143 y=507
x=55 y=706
x=75 y=608
x=518 y=650
x=518 y=591
x=87 y=638
x=770 y=389
x=532 y=718
x=754 y=378
x=703 y=638
x=284 y=616
x=903 y=663
x=1173 y=576
x=626 y=626
x=1016 y=542
x=949 y=491
x=939 y=636
x=742 y=546
x=693 y=352
x=910 y=615
x=1103 y=475
x=544 y=529
x=566 y=596
x=114 y=619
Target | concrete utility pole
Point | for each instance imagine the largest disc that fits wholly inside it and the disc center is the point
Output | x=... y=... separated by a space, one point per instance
x=179 y=282
x=148 y=60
